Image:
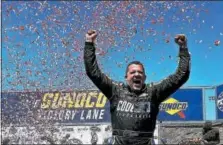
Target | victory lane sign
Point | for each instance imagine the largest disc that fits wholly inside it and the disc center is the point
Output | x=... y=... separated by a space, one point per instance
x=74 y=106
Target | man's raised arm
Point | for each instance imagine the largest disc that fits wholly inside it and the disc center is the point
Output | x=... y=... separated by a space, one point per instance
x=173 y=82
x=93 y=71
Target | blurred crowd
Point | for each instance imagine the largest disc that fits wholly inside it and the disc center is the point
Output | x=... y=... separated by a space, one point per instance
x=56 y=135
x=94 y=134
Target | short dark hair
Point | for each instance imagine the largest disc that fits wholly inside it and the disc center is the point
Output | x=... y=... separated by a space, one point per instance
x=134 y=62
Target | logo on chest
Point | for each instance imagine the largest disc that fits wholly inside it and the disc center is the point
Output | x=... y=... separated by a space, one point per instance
x=136 y=107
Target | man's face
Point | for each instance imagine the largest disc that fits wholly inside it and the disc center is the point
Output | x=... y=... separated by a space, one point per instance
x=135 y=77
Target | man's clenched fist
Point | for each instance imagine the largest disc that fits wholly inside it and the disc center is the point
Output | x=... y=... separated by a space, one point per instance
x=91 y=36
x=181 y=40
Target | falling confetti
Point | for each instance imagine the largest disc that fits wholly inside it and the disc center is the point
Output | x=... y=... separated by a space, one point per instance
x=41 y=38
x=43 y=41
x=217 y=42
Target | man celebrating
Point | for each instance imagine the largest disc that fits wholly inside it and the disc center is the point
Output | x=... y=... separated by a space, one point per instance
x=134 y=105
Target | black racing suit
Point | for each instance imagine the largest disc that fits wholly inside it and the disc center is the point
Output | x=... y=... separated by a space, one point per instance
x=133 y=115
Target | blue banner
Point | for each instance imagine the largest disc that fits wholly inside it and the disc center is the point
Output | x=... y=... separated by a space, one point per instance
x=183 y=105
x=219 y=101
x=55 y=107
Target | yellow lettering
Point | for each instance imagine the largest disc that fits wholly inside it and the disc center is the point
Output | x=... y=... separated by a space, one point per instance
x=80 y=99
x=74 y=96
x=69 y=102
x=76 y=100
x=46 y=102
x=89 y=103
x=55 y=100
x=64 y=101
x=83 y=99
x=101 y=101
x=60 y=101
